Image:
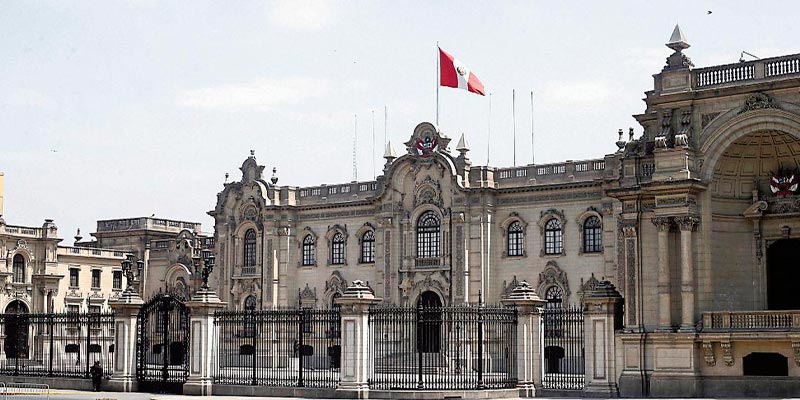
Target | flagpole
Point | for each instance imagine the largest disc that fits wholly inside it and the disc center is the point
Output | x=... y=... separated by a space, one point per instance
x=514 y=121
x=385 y=118
x=533 y=159
x=489 y=136
x=438 y=83
x=373 y=145
x=355 y=143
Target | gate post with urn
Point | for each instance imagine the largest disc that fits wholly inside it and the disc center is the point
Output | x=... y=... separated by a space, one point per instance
x=355 y=303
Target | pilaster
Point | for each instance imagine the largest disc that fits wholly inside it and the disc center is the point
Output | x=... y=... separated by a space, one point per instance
x=528 y=347
x=355 y=303
x=663 y=225
x=201 y=324
x=601 y=310
x=687 y=225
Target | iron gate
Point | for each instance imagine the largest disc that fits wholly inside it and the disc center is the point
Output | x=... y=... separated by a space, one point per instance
x=162 y=346
x=563 y=349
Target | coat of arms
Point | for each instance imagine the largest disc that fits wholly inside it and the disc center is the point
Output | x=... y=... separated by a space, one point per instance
x=783 y=183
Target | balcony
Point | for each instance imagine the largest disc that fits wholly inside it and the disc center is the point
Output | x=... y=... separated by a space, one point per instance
x=427 y=262
x=745 y=321
x=765 y=69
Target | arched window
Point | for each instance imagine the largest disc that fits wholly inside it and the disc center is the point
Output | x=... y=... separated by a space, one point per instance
x=308 y=250
x=250 y=248
x=592 y=235
x=428 y=235
x=19 y=269
x=368 y=247
x=553 y=243
x=250 y=303
x=516 y=240
x=337 y=249
x=554 y=296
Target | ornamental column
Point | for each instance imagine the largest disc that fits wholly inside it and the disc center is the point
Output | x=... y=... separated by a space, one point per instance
x=355 y=303
x=203 y=305
x=687 y=225
x=663 y=225
x=528 y=347
x=602 y=318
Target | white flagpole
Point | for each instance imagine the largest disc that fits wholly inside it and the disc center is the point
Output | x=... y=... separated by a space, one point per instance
x=438 y=83
x=533 y=159
x=514 y=121
x=385 y=118
x=355 y=143
x=373 y=145
x=489 y=136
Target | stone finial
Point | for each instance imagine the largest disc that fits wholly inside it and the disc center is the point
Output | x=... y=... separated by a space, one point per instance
x=462 y=146
x=389 y=153
x=358 y=289
x=603 y=289
x=620 y=143
x=677 y=41
x=524 y=291
x=252 y=154
x=78 y=236
x=274 y=178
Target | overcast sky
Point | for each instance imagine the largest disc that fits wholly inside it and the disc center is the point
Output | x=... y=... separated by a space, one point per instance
x=113 y=109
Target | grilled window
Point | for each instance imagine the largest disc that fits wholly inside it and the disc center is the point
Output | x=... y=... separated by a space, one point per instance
x=250 y=248
x=592 y=235
x=516 y=240
x=308 y=250
x=73 y=277
x=95 y=278
x=428 y=235
x=368 y=247
x=117 y=279
x=553 y=243
x=337 y=249
x=19 y=269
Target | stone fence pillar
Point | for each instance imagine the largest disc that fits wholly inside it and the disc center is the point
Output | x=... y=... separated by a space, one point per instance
x=529 y=337
x=355 y=303
x=601 y=307
x=126 y=310
x=202 y=342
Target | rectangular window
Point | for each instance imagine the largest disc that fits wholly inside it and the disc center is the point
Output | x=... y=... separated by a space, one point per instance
x=73 y=308
x=73 y=277
x=117 y=281
x=95 y=279
x=95 y=309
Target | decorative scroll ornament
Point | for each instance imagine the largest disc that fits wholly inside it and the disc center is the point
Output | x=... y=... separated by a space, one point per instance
x=553 y=275
x=758 y=101
x=783 y=183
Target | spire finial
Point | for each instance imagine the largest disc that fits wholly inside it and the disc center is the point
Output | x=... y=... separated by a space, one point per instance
x=462 y=146
x=677 y=41
x=274 y=178
x=252 y=153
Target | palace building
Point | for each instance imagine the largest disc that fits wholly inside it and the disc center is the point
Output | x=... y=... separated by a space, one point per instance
x=695 y=220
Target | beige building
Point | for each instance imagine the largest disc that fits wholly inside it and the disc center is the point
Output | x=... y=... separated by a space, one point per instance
x=695 y=219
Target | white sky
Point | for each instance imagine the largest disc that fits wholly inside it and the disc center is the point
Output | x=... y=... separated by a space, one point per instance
x=112 y=109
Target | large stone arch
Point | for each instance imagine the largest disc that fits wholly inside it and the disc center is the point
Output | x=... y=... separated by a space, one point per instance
x=718 y=140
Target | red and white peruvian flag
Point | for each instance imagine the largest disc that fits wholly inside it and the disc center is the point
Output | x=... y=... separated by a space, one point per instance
x=453 y=73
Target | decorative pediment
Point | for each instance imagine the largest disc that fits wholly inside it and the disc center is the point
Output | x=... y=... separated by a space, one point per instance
x=553 y=275
x=335 y=284
x=251 y=171
x=588 y=286
x=428 y=191
x=22 y=247
x=508 y=287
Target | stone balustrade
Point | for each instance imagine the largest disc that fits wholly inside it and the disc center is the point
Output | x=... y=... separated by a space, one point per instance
x=767 y=68
x=725 y=321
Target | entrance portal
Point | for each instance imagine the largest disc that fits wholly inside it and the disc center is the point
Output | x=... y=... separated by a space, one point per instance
x=15 y=327
x=783 y=271
x=429 y=330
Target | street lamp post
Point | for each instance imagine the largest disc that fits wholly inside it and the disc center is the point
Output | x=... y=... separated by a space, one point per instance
x=204 y=266
x=132 y=278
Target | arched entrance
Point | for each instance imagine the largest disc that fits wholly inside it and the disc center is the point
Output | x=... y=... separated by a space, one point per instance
x=15 y=326
x=783 y=272
x=429 y=330
x=163 y=344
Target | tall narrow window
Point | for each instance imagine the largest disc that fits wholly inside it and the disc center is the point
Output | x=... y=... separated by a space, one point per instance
x=553 y=243
x=19 y=269
x=337 y=249
x=428 y=235
x=95 y=279
x=368 y=247
x=308 y=250
x=73 y=277
x=117 y=281
x=250 y=248
x=516 y=240
x=592 y=235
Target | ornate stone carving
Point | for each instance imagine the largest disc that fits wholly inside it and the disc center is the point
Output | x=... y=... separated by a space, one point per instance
x=508 y=287
x=758 y=101
x=629 y=229
x=727 y=353
x=796 y=349
x=687 y=222
x=308 y=295
x=708 y=354
x=428 y=191
x=553 y=275
x=335 y=284
x=662 y=223
x=666 y=130
x=705 y=119
x=588 y=286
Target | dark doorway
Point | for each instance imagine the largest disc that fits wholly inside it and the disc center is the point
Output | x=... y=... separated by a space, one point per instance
x=15 y=344
x=783 y=271
x=429 y=330
x=765 y=364
x=552 y=358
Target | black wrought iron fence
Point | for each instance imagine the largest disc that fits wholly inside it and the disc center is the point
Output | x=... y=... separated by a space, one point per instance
x=464 y=347
x=57 y=345
x=563 y=347
x=279 y=348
